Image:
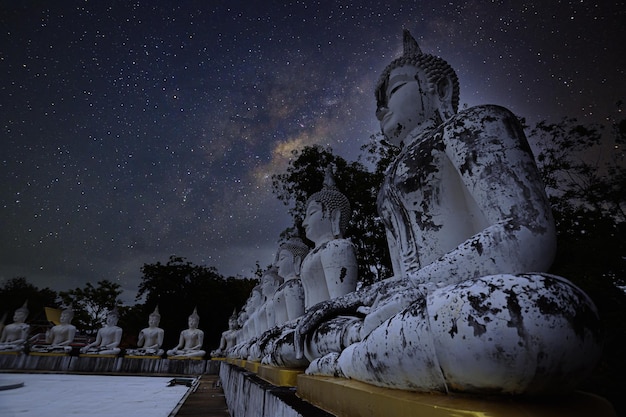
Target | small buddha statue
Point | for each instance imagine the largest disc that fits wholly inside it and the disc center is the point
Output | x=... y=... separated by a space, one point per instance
x=15 y=335
x=190 y=341
x=60 y=336
x=269 y=284
x=228 y=339
x=150 y=339
x=276 y=345
x=108 y=337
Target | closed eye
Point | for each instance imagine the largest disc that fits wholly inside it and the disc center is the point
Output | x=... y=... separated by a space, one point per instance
x=396 y=88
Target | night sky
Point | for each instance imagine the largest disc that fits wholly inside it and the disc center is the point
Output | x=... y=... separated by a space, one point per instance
x=132 y=131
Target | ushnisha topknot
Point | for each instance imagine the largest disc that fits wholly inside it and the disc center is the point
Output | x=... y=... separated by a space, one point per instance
x=434 y=67
x=69 y=310
x=296 y=246
x=23 y=309
x=155 y=313
x=195 y=314
x=331 y=198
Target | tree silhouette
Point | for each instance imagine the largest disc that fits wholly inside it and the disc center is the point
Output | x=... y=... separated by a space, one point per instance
x=305 y=176
x=91 y=304
x=179 y=286
x=584 y=169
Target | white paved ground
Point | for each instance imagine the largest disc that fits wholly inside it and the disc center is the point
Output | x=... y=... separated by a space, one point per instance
x=53 y=395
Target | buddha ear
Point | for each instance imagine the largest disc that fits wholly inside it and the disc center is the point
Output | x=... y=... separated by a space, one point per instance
x=335 y=223
x=444 y=90
x=297 y=262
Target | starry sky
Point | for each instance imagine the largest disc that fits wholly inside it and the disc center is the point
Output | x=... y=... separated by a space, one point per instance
x=135 y=130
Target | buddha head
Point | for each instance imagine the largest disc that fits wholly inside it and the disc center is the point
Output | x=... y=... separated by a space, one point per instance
x=232 y=320
x=289 y=258
x=327 y=212
x=66 y=315
x=414 y=90
x=154 y=318
x=270 y=282
x=20 y=315
x=194 y=319
x=256 y=297
x=112 y=317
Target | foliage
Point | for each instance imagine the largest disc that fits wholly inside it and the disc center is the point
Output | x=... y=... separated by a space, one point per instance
x=584 y=169
x=15 y=291
x=305 y=176
x=180 y=286
x=91 y=304
x=585 y=176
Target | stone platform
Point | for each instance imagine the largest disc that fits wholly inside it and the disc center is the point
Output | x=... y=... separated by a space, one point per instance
x=62 y=362
x=251 y=394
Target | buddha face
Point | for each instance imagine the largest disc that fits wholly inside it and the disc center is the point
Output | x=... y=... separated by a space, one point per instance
x=285 y=264
x=112 y=319
x=66 y=317
x=19 y=316
x=153 y=320
x=410 y=102
x=193 y=322
x=269 y=287
x=316 y=224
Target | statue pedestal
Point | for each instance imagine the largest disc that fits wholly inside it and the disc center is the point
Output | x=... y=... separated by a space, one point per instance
x=47 y=360
x=281 y=377
x=344 y=397
x=87 y=362
x=252 y=395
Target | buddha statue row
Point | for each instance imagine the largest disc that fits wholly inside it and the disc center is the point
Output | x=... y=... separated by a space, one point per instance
x=298 y=279
x=14 y=337
x=470 y=307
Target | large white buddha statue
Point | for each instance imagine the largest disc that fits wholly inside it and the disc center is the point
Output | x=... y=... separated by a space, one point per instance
x=245 y=335
x=329 y=270
x=150 y=338
x=270 y=282
x=470 y=232
x=288 y=302
x=60 y=336
x=289 y=297
x=108 y=337
x=190 y=341
x=14 y=335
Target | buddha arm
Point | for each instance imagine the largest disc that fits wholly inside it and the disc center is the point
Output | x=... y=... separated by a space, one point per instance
x=490 y=153
x=346 y=304
x=340 y=267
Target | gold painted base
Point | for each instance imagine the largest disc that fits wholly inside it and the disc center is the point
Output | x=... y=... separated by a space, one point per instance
x=95 y=355
x=282 y=377
x=183 y=358
x=48 y=354
x=142 y=357
x=252 y=366
x=347 y=398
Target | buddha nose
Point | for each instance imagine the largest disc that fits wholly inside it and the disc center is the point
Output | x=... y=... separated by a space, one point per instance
x=381 y=112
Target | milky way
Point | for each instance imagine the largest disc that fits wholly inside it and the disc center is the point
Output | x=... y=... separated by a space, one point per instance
x=132 y=131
